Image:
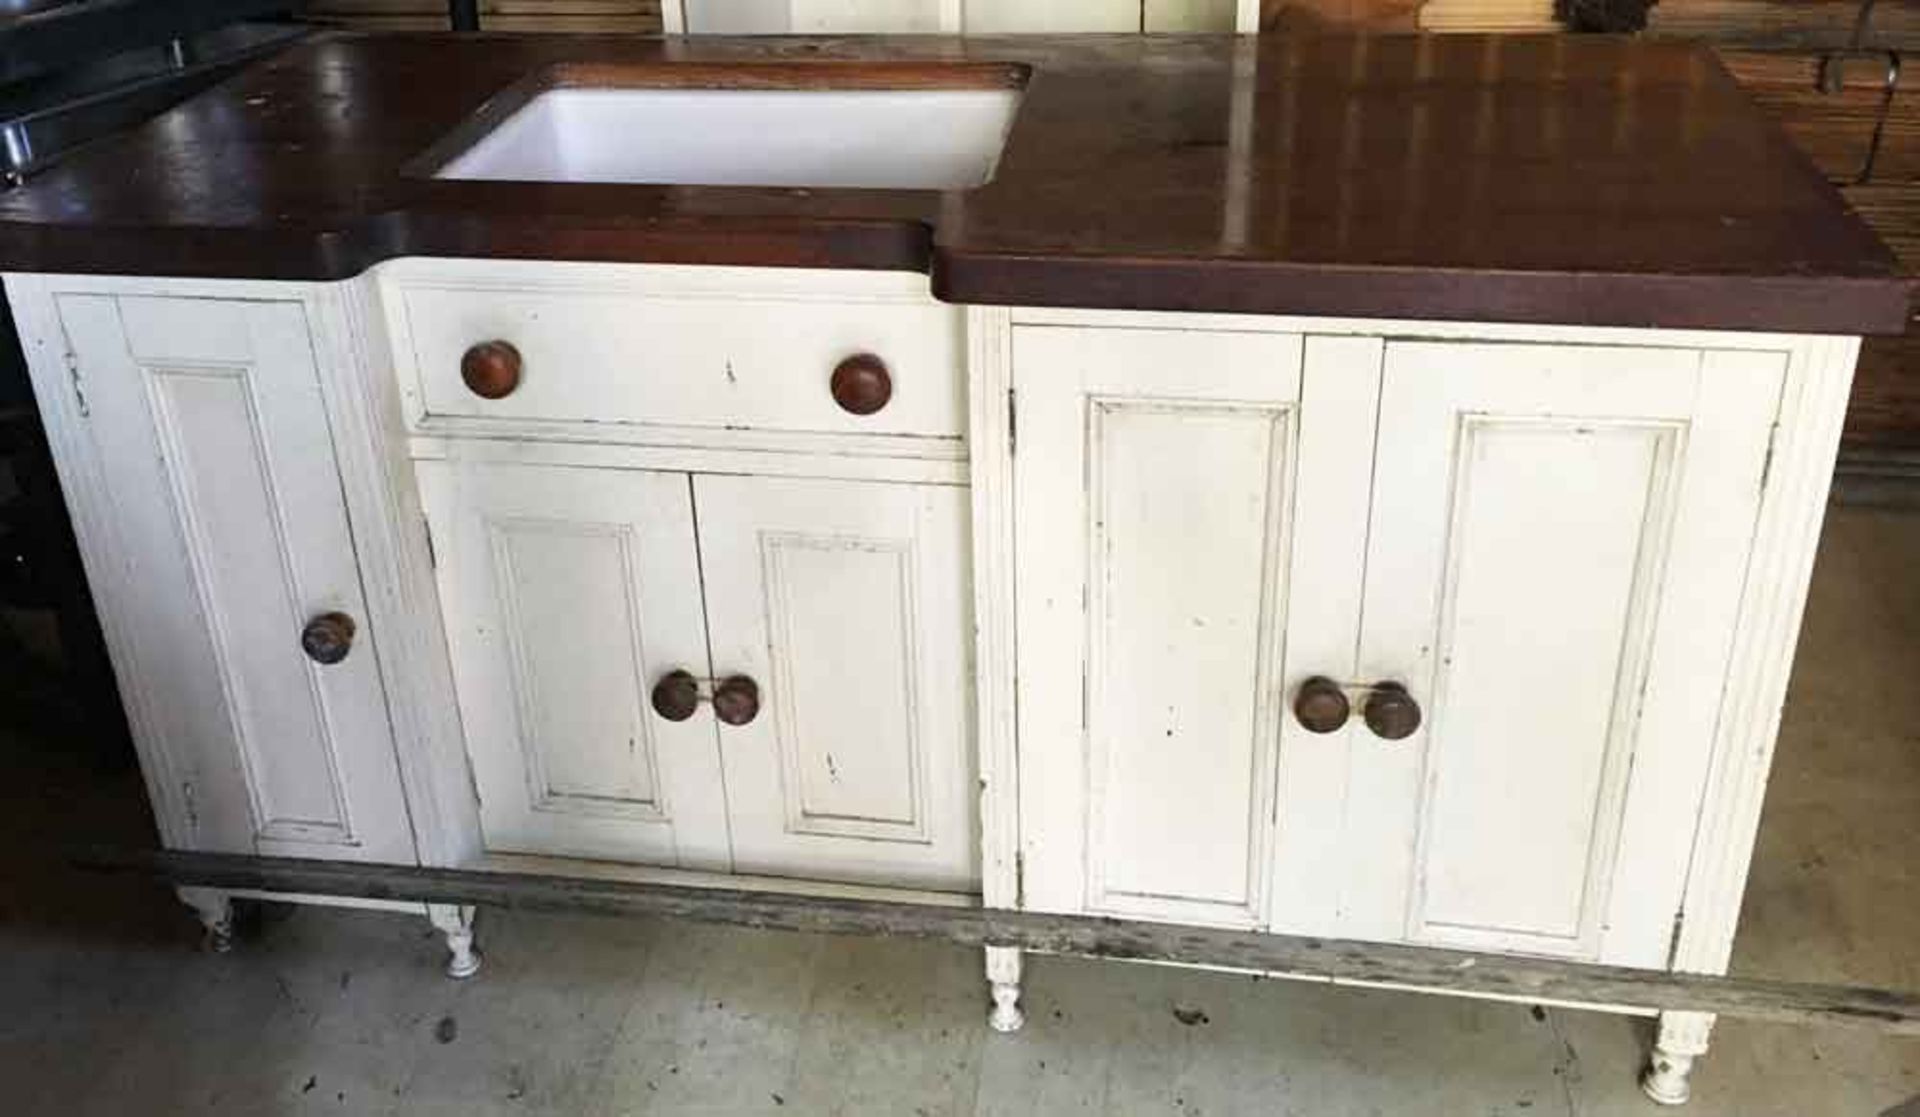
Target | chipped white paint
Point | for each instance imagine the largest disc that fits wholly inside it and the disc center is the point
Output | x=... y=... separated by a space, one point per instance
x=848 y=602
x=567 y=593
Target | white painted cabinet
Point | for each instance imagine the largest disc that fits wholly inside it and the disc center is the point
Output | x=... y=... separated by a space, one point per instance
x=848 y=602
x=197 y=449
x=570 y=593
x=1155 y=482
x=567 y=592
x=1557 y=540
x=1046 y=646
x=1544 y=544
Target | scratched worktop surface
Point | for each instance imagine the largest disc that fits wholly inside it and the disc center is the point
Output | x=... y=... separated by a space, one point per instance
x=1568 y=179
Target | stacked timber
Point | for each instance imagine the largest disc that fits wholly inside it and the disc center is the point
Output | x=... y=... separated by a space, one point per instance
x=625 y=16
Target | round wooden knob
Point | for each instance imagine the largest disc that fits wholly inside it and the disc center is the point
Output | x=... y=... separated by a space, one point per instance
x=327 y=638
x=736 y=701
x=1321 y=705
x=861 y=384
x=676 y=696
x=1391 y=712
x=491 y=369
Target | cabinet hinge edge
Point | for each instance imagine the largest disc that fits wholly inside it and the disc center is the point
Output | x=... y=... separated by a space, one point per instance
x=1673 y=945
x=1013 y=424
x=433 y=553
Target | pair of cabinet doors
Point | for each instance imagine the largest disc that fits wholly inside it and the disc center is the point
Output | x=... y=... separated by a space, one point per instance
x=569 y=593
x=1544 y=543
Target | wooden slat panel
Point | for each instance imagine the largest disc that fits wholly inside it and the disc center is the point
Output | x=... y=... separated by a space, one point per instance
x=1373 y=15
x=1884 y=410
x=1487 y=15
x=1810 y=24
x=1834 y=128
x=1893 y=209
x=630 y=16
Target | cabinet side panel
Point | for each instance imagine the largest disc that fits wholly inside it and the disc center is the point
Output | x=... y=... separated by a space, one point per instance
x=1793 y=502
x=394 y=550
x=115 y=566
x=990 y=447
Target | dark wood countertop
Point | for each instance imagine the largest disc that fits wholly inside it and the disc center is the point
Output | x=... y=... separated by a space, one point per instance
x=1567 y=179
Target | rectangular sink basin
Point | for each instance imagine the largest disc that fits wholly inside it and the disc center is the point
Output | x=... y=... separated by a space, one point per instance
x=818 y=124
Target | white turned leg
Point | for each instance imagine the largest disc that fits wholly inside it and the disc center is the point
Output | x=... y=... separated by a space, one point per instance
x=455 y=922
x=1682 y=1040
x=1003 y=976
x=215 y=909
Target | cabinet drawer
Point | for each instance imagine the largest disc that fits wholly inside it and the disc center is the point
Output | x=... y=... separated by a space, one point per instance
x=692 y=347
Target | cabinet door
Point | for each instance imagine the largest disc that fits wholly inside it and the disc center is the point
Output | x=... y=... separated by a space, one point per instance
x=1559 y=538
x=848 y=603
x=229 y=532
x=568 y=594
x=1160 y=565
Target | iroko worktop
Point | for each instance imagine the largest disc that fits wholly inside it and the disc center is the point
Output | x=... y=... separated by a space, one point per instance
x=1577 y=180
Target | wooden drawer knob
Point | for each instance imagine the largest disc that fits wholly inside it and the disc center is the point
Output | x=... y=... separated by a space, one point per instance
x=491 y=369
x=861 y=384
x=676 y=696
x=736 y=701
x=1321 y=705
x=1391 y=712
x=327 y=638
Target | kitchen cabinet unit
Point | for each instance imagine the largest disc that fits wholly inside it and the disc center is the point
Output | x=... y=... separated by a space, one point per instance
x=1519 y=564
x=1428 y=580
x=229 y=565
x=577 y=591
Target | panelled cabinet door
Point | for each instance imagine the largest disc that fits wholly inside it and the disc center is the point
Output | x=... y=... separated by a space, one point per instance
x=1156 y=474
x=1558 y=542
x=569 y=594
x=230 y=535
x=847 y=604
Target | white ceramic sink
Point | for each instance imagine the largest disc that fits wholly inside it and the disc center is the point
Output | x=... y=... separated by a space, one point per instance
x=918 y=138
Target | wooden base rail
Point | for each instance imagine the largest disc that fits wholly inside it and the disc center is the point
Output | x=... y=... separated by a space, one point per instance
x=1533 y=979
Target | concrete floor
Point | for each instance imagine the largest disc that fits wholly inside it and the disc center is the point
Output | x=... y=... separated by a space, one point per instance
x=107 y=1008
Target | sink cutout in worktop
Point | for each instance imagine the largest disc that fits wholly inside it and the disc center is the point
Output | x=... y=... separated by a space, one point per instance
x=812 y=124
